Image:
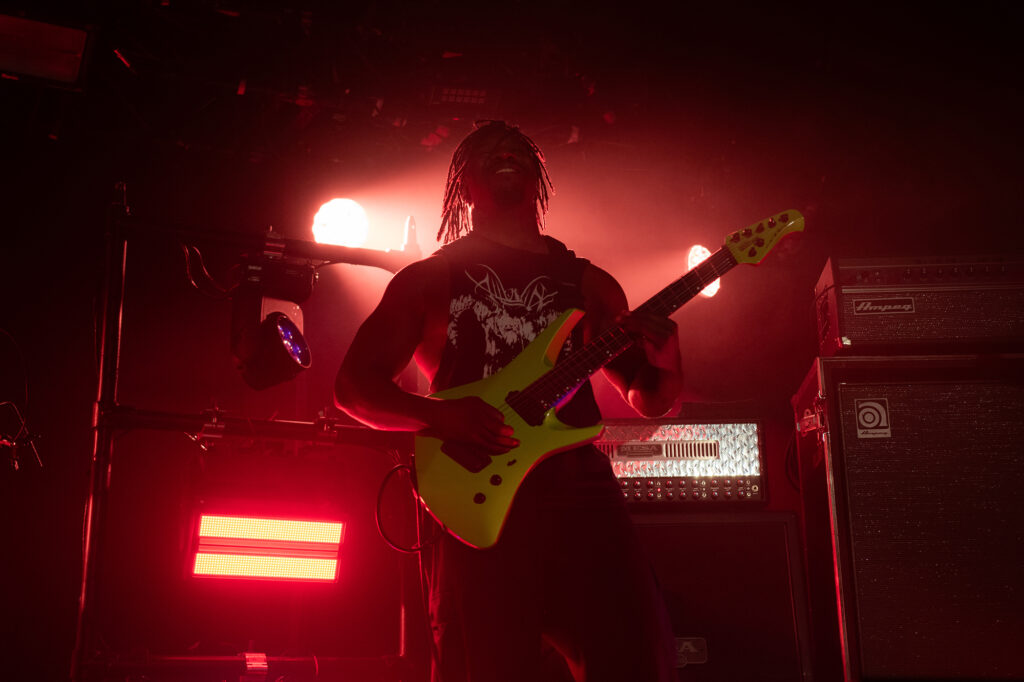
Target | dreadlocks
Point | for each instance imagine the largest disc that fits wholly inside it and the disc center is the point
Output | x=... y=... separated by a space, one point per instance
x=455 y=217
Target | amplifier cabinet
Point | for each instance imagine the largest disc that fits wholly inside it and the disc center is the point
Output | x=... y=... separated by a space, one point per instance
x=904 y=306
x=735 y=592
x=911 y=472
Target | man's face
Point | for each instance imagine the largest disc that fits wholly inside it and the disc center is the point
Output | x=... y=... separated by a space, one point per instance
x=501 y=173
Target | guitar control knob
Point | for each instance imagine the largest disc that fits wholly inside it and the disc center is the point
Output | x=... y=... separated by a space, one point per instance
x=495 y=479
x=479 y=498
x=746 y=232
x=784 y=217
x=752 y=252
x=759 y=228
x=771 y=222
x=759 y=242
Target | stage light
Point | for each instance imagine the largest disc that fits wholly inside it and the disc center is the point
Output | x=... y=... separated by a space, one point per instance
x=267 y=341
x=698 y=254
x=342 y=222
x=54 y=54
x=267 y=548
x=266 y=322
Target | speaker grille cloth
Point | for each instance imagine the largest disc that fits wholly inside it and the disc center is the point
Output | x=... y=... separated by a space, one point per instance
x=935 y=522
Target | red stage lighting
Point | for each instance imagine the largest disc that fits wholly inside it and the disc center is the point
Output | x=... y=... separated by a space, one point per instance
x=342 y=222
x=267 y=549
x=697 y=255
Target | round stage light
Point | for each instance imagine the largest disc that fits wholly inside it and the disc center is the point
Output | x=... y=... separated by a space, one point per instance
x=698 y=254
x=272 y=352
x=341 y=222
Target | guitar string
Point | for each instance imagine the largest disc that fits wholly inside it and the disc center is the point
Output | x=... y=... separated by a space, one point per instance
x=577 y=367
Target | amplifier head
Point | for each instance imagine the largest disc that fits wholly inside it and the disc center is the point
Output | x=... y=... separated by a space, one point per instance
x=920 y=305
x=673 y=461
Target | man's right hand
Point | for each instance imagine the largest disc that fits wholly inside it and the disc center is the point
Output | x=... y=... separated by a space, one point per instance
x=473 y=429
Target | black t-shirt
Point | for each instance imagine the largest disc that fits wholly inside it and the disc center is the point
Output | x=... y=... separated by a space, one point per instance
x=500 y=299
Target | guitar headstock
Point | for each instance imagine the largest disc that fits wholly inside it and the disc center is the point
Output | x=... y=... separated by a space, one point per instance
x=752 y=244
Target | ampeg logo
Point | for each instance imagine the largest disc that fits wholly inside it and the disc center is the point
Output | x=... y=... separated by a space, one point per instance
x=873 y=418
x=691 y=650
x=882 y=306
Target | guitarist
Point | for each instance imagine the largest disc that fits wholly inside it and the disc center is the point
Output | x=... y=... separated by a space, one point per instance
x=568 y=572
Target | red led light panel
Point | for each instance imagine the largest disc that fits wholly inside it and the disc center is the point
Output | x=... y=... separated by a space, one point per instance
x=267 y=549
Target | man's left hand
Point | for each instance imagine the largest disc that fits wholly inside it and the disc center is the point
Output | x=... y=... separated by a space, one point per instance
x=658 y=337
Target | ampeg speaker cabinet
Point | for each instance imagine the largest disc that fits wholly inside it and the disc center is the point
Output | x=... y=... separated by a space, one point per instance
x=911 y=472
x=735 y=593
x=907 y=306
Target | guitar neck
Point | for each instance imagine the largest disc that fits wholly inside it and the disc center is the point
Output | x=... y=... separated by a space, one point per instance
x=672 y=297
x=571 y=371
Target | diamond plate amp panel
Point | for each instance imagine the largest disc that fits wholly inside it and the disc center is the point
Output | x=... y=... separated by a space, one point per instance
x=672 y=462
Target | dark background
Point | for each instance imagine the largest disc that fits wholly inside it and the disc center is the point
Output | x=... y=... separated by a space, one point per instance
x=895 y=129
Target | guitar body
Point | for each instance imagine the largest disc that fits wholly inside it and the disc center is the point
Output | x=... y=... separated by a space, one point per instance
x=473 y=506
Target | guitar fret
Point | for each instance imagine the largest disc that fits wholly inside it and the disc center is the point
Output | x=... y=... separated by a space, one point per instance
x=573 y=370
x=689 y=285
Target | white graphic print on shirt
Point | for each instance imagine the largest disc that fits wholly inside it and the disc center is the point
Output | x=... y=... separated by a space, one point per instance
x=510 y=318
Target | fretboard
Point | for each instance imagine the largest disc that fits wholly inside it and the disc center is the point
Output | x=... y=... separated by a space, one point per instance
x=571 y=371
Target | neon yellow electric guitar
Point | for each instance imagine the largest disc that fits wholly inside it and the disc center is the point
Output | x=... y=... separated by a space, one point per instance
x=473 y=505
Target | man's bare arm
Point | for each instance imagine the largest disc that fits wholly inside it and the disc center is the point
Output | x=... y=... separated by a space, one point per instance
x=649 y=374
x=365 y=386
